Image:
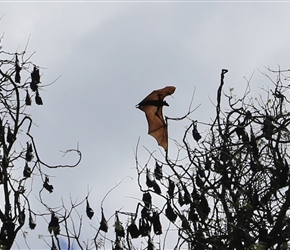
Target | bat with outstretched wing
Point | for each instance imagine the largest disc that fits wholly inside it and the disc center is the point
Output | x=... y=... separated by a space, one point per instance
x=152 y=106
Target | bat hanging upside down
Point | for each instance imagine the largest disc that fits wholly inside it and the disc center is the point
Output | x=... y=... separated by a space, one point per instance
x=152 y=106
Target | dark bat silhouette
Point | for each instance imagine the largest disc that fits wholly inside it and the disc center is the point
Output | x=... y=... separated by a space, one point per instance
x=53 y=226
x=32 y=223
x=104 y=224
x=152 y=106
x=89 y=210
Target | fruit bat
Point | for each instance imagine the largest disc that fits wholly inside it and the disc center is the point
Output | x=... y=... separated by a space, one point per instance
x=89 y=210
x=144 y=227
x=147 y=199
x=32 y=223
x=27 y=171
x=53 y=226
x=17 y=70
x=152 y=106
x=254 y=145
x=149 y=179
x=29 y=152
x=133 y=230
x=186 y=196
x=196 y=135
x=156 y=223
x=119 y=229
x=10 y=136
x=156 y=188
x=171 y=186
x=146 y=213
x=47 y=186
x=21 y=217
x=104 y=224
x=158 y=171
x=35 y=76
x=27 y=99
x=180 y=198
x=38 y=99
x=170 y=214
x=35 y=79
x=192 y=215
x=268 y=128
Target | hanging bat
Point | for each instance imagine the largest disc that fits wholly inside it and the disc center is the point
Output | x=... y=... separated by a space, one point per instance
x=152 y=106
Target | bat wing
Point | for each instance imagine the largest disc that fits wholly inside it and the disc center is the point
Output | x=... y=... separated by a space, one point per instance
x=158 y=95
x=152 y=106
x=156 y=125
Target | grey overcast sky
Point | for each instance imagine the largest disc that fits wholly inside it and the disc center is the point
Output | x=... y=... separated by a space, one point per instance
x=110 y=54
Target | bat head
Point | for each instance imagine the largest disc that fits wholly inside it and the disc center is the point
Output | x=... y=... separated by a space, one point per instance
x=156 y=103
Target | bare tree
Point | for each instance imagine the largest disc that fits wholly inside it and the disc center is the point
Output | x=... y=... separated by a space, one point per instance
x=228 y=188
x=20 y=163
